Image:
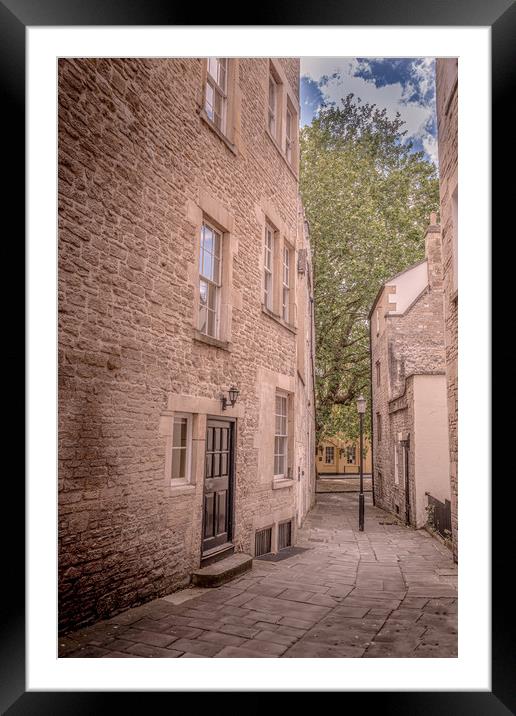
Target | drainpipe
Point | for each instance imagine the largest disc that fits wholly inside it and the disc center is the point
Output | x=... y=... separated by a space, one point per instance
x=405 y=444
x=371 y=408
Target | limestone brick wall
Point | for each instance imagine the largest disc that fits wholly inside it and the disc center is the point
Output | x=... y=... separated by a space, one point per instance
x=402 y=346
x=139 y=166
x=447 y=112
x=305 y=396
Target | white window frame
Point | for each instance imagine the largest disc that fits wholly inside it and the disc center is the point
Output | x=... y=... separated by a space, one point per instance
x=218 y=85
x=285 y=291
x=176 y=481
x=272 y=121
x=268 y=268
x=214 y=283
x=332 y=449
x=285 y=437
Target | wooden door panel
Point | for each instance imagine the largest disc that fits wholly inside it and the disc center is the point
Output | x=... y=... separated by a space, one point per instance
x=219 y=466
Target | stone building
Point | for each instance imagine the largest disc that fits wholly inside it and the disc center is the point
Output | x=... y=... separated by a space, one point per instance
x=337 y=455
x=409 y=404
x=184 y=271
x=447 y=107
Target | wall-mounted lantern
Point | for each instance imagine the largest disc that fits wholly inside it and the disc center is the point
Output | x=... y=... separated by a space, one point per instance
x=233 y=394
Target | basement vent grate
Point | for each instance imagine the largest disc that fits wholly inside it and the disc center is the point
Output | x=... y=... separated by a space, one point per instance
x=285 y=534
x=263 y=542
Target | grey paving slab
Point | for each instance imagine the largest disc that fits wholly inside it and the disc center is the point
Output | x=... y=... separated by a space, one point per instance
x=155 y=652
x=386 y=592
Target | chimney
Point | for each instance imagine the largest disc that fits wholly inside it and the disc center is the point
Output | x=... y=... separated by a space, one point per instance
x=433 y=253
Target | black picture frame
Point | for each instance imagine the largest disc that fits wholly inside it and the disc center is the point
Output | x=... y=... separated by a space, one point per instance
x=500 y=16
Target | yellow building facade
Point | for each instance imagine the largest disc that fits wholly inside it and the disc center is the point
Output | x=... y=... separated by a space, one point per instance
x=339 y=456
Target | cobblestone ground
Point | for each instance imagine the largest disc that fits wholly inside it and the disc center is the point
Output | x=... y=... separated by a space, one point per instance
x=341 y=484
x=389 y=591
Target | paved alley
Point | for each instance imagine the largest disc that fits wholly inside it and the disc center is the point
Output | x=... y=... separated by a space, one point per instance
x=389 y=591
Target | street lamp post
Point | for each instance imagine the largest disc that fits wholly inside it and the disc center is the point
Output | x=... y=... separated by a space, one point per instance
x=361 y=407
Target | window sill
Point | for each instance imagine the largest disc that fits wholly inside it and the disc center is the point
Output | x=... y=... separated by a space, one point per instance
x=275 y=142
x=278 y=319
x=181 y=489
x=202 y=338
x=280 y=484
x=216 y=130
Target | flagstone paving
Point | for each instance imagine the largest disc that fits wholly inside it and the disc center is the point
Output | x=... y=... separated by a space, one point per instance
x=389 y=591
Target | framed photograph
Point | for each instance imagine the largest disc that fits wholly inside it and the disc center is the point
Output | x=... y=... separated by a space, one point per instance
x=172 y=323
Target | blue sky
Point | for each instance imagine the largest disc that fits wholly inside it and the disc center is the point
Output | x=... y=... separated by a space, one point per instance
x=404 y=85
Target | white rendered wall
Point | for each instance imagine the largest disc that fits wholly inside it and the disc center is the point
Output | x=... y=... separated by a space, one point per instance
x=431 y=442
x=408 y=287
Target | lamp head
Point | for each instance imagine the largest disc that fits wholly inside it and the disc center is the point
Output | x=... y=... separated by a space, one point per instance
x=361 y=404
x=233 y=395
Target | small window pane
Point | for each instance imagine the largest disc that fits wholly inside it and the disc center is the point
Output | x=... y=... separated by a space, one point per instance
x=222 y=74
x=178 y=463
x=207 y=238
x=211 y=297
x=268 y=290
x=207 y=268
x=203 y=292
x=213 y=67
x=216 y=244
x=180 y=429
x=216 y=270
x=209 y=100
x=203 y=319
x=211 y=330
x=218 y=103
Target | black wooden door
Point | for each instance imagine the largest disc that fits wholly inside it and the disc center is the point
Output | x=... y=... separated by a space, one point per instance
x=218 y=487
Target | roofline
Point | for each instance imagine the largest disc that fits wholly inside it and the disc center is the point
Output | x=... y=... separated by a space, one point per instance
x=389 y=280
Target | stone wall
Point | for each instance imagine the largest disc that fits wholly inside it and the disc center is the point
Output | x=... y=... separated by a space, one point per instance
x=403 y=345
x=447 y=109
x=139 y=166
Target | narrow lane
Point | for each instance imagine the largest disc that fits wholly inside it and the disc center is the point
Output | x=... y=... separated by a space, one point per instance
x=389 y=591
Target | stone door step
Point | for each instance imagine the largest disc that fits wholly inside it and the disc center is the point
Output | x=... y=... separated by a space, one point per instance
x=217 y=553
x=214 y=575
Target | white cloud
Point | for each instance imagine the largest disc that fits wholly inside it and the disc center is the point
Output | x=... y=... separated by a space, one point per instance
x=394 y=97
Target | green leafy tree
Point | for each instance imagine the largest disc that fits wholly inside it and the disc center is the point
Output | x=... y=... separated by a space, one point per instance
x=368 y=198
